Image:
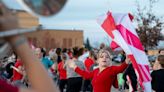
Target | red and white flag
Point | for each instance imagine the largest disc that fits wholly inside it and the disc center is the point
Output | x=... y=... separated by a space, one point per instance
x=114 y=46
x=120 y=28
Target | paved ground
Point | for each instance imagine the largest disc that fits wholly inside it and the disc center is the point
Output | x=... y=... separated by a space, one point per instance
x=116 y=90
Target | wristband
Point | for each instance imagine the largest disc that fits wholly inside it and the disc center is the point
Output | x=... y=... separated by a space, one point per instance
x=19 y=41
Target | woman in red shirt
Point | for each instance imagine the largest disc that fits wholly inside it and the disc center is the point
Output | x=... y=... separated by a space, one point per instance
x=18 y=73
x=62 y=73
x=104 y=76
x=90 y=61
x=89 y=64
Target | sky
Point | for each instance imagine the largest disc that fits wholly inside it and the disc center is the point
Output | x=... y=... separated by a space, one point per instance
x=82 y=15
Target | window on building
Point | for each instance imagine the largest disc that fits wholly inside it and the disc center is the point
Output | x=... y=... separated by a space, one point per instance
x=70 y=42
x=47 y=43
x=52 y=43
x=64 y=43
x=76 y=42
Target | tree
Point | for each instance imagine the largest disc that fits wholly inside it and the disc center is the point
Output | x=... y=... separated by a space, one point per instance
x=87 y=44
x=149 y=25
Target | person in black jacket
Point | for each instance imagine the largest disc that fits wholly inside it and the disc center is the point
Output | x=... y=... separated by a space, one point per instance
x=158 y=75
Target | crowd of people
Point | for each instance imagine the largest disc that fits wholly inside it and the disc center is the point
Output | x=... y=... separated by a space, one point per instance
x=78 y=69
x=66 y=70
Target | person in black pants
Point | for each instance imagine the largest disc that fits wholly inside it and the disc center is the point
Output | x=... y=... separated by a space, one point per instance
x=74 y=80
x=62 y=73
x=133 y=78
x=74 y=84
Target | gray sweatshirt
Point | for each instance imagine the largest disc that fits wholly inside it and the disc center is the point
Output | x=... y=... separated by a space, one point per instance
x=71 y=73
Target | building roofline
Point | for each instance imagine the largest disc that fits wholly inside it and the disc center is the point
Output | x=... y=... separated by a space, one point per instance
x=61 y=30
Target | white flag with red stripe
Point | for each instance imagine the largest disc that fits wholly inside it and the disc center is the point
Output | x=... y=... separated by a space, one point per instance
x=114 y=46
x=119 y=27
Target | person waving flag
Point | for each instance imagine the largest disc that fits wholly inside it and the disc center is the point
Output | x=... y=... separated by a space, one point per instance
x=119 y=27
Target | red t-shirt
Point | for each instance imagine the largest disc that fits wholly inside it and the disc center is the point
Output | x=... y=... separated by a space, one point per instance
x=88 y=63
x=5 y=87
x=102 y=81
x=17 y=75
x=62 y=71
x=70 y=55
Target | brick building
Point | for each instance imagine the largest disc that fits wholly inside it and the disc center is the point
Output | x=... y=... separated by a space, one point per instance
x=56 y=38
x=49 y=38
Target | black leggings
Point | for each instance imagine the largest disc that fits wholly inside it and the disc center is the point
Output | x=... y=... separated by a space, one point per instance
x=74 y=84
x=87 y=86
x=62 y=84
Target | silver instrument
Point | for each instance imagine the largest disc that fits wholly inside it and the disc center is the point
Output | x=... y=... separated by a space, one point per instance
x=40 y=8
